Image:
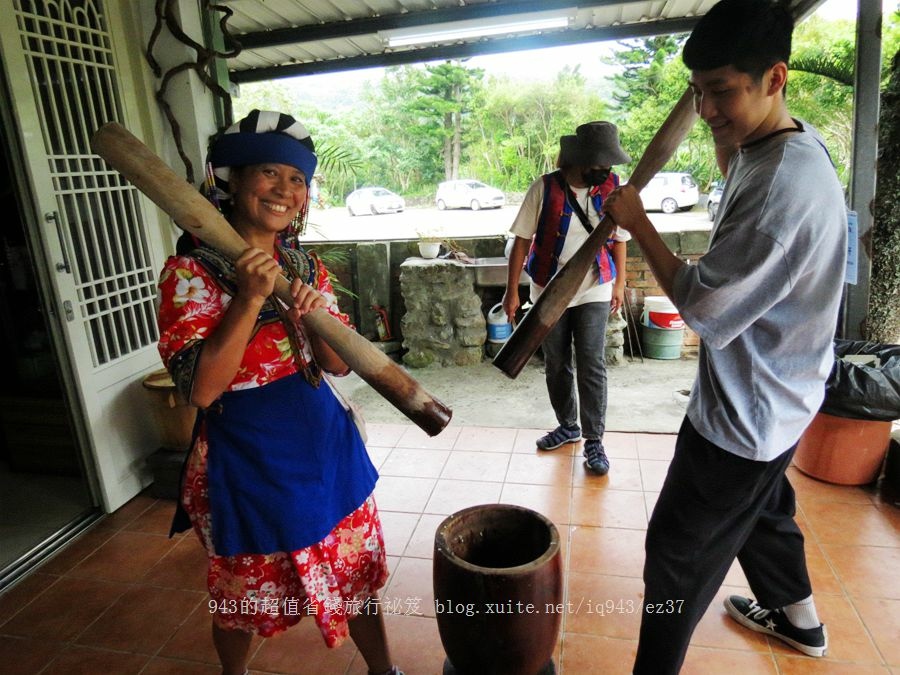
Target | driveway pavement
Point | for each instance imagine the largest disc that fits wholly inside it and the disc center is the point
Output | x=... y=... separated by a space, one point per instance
x=644 y=396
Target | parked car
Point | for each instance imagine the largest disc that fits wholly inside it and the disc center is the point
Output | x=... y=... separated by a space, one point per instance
x=669 y=192
x=472 y=194
x=374 y=200
x=712 y=202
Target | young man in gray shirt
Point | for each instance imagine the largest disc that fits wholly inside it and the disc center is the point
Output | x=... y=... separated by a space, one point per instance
x=764 y=301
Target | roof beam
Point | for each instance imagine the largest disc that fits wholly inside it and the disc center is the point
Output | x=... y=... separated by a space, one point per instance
x=466 y=49
x=370 y=25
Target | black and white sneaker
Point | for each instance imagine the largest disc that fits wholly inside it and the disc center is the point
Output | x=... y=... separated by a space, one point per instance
x=810 y=641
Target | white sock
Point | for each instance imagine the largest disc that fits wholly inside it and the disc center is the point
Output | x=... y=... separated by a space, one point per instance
x=802 y=614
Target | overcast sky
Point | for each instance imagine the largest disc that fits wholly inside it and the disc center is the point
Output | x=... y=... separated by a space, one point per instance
x=846 y=9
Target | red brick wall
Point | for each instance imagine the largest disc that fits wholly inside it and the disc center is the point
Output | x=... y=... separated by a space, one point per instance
x=688 y=246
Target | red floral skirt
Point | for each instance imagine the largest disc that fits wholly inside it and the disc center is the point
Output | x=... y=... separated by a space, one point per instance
x=266 y=594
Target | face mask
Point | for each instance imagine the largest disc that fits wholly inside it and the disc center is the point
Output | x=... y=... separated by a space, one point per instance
x=595 y=176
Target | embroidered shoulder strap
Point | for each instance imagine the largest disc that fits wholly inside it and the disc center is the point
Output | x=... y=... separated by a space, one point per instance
x=219 y=267
x=300 y=264
x=297 y=264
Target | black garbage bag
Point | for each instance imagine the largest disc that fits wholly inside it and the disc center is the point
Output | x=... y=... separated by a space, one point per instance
x=864 y=392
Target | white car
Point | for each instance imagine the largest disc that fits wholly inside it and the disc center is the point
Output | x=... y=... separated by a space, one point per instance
x=471 y=194
x=374 y=200
x=669 y=192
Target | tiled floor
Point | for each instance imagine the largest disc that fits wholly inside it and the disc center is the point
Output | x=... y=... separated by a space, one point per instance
x=125 y=599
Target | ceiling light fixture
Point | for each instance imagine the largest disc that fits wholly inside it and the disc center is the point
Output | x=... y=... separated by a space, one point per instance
x=474 y=28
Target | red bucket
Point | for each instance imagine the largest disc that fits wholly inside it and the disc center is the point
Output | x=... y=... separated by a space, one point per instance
x=659 y=312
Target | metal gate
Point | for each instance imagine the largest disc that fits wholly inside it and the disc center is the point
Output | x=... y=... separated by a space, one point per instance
x=62 y=71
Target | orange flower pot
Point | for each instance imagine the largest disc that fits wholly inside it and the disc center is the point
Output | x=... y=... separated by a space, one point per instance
x=843 y=451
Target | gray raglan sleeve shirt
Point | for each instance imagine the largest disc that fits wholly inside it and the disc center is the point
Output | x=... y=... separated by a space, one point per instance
x=764 y=298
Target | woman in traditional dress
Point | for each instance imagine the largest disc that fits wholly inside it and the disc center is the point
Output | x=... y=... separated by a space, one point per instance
x=278 y=484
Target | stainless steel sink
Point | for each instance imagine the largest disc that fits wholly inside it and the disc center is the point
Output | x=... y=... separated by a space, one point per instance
x=492 y=271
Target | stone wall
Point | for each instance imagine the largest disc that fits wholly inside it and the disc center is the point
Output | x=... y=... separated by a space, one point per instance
x=443 y=323
x=455 y=329
x=615 y=340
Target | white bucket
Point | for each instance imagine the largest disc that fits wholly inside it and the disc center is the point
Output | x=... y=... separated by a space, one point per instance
x=498 y=326
x=659 y=312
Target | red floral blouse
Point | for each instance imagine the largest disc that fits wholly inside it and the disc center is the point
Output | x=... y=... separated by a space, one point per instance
x=192 y=303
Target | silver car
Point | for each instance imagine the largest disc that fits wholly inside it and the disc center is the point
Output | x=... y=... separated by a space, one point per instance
x=374 y=200
x=712 y=203
x=471 y=194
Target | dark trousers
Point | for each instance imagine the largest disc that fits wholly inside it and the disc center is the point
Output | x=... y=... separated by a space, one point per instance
x=581 y=329
x=715 y=506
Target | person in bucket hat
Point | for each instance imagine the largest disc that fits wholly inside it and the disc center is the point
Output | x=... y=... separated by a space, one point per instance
x=594 y=144
x=278 y=484
x=560 y=209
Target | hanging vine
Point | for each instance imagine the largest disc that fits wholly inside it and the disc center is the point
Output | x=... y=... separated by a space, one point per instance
x=202 y=65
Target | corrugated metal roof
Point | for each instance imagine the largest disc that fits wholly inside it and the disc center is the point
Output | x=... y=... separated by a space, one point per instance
x=282 y=38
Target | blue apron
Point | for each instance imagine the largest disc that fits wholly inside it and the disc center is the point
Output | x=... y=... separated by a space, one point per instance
x=285 y=465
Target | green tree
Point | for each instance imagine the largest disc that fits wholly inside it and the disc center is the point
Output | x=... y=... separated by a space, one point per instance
x=644 y=63
x=340 y=156
x=264 y=96
x=515 y=129
x=821 y=80
x=410 y=129
x=820 y=85
x=653 y=80
x=447 y=90
x=403 y=148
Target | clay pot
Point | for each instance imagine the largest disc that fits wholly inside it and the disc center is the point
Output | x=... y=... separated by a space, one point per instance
x=843 y=451
x=173 y=415
x=498 y=590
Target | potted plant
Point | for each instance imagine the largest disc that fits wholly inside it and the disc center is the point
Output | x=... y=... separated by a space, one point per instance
x=429 y=245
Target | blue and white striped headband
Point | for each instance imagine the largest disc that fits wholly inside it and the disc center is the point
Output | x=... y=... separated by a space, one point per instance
x=263 y=136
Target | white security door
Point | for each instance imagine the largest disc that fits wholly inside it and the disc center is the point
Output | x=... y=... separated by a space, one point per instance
x=92 y=228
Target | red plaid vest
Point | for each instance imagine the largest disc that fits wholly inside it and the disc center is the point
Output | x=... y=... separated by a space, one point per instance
x=554 y=219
